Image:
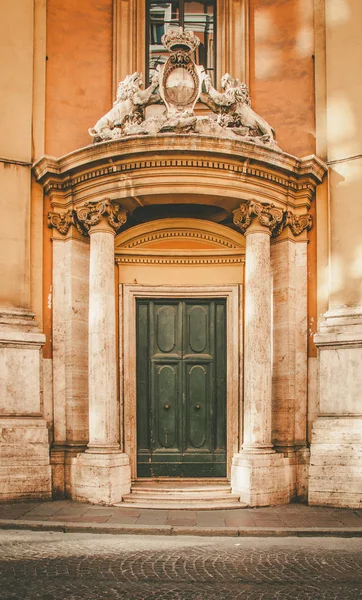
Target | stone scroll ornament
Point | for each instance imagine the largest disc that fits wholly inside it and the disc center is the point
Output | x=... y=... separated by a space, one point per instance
x=270 y=216
x=179 y=84
x=90 y=214
x=87 y=215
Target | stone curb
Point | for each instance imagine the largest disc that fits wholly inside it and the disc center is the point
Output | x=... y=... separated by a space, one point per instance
x=173 y=530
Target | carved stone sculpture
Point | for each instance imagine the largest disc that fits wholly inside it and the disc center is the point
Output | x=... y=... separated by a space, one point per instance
x=90 y=213
x=267 y=214
x=179 y=84
x=127 y=109
x=233 y=107
x=270 y=216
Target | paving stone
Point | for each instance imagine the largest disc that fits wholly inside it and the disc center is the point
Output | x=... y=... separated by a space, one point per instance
x=54 y=566
x=122 y=519
x=152 y=517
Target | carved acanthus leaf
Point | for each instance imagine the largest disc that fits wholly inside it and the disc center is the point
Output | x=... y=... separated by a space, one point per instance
x=91 y=213
x=268 y=215
x=298 y=223
x=61 y=221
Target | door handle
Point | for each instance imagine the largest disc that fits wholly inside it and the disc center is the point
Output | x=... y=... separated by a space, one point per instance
x=197 y=406
x=167 y=406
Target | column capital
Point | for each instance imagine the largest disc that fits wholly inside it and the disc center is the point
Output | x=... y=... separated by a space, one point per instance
x=298 y=223
x=267 y=215
x=90 y=214
x=60 y=221
x=271 y=217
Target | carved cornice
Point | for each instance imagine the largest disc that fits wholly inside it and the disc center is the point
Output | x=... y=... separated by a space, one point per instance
x=56 y=184
x=179 y=159
x=88 y=215
x=272 y=217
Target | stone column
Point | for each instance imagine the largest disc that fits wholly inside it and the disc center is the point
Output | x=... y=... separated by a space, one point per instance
x=257 y=349
x=289 y=381
x=258 y=472
x=103 y=406
x=102 y=473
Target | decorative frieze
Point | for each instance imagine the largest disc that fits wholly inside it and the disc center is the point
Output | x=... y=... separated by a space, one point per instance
x=183 y=260
x=271 y=217
x=88 y=215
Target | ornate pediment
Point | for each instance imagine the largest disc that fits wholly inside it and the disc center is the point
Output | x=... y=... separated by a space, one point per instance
x=179 y=84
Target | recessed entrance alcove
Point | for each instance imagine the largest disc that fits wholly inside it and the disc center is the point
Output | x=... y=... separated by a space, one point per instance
x=180 y=287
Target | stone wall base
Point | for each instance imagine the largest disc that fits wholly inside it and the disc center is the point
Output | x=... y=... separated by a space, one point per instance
x=302 y=462
x=24 y=459
x=99 y=478
x=335 y=477
x=262 y=479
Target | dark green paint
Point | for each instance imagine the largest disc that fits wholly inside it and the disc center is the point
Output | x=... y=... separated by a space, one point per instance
x=181 y=388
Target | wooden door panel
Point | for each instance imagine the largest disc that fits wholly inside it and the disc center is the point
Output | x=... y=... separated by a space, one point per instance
x=181 y=388
x=197 y=425
x=165 y=330
x=166 y=405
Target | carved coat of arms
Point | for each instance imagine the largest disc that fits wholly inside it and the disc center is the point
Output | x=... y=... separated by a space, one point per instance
x=179 y=84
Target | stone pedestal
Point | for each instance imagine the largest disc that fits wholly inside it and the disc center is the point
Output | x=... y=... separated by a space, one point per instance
x=261 y=479
x=336 y=447
x=24 y=438
x=100 y=478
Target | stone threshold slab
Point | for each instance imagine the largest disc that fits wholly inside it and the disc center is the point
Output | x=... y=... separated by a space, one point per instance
x=169 y=530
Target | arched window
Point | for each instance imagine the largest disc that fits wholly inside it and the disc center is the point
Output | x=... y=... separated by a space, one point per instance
x=198 y=16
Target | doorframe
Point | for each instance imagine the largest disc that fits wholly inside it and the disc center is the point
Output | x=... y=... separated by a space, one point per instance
x=128 y=295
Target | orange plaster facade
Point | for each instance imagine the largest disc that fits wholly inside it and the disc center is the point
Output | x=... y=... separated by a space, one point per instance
x=182 y=195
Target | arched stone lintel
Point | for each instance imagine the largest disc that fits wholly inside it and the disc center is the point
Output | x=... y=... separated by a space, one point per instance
x=138 y=171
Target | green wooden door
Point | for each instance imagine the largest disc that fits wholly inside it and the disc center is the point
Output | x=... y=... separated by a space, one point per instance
x=181 y=388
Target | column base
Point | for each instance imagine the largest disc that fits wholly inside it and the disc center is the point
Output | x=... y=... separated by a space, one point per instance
x=261 y=478
x=100 y=478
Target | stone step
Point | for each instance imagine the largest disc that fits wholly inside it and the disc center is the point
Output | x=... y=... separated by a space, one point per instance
x=197 y=490
x=180 y=481
x=182 y=494
x=176 y=496
x=182 y=505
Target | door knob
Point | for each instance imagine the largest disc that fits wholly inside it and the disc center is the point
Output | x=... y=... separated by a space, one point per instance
x=167 y=406
x=197 y=406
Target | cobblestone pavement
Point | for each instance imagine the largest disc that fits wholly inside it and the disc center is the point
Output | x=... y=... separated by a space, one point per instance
x=57 y=566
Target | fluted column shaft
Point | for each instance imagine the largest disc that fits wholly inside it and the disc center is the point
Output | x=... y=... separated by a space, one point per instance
x=258 y=332
x=103 y=404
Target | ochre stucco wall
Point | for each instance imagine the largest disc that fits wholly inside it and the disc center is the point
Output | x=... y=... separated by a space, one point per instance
x=282 y=91
x=16 y=85
x=344 y=148
x=79 y=71
x=281 y=70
